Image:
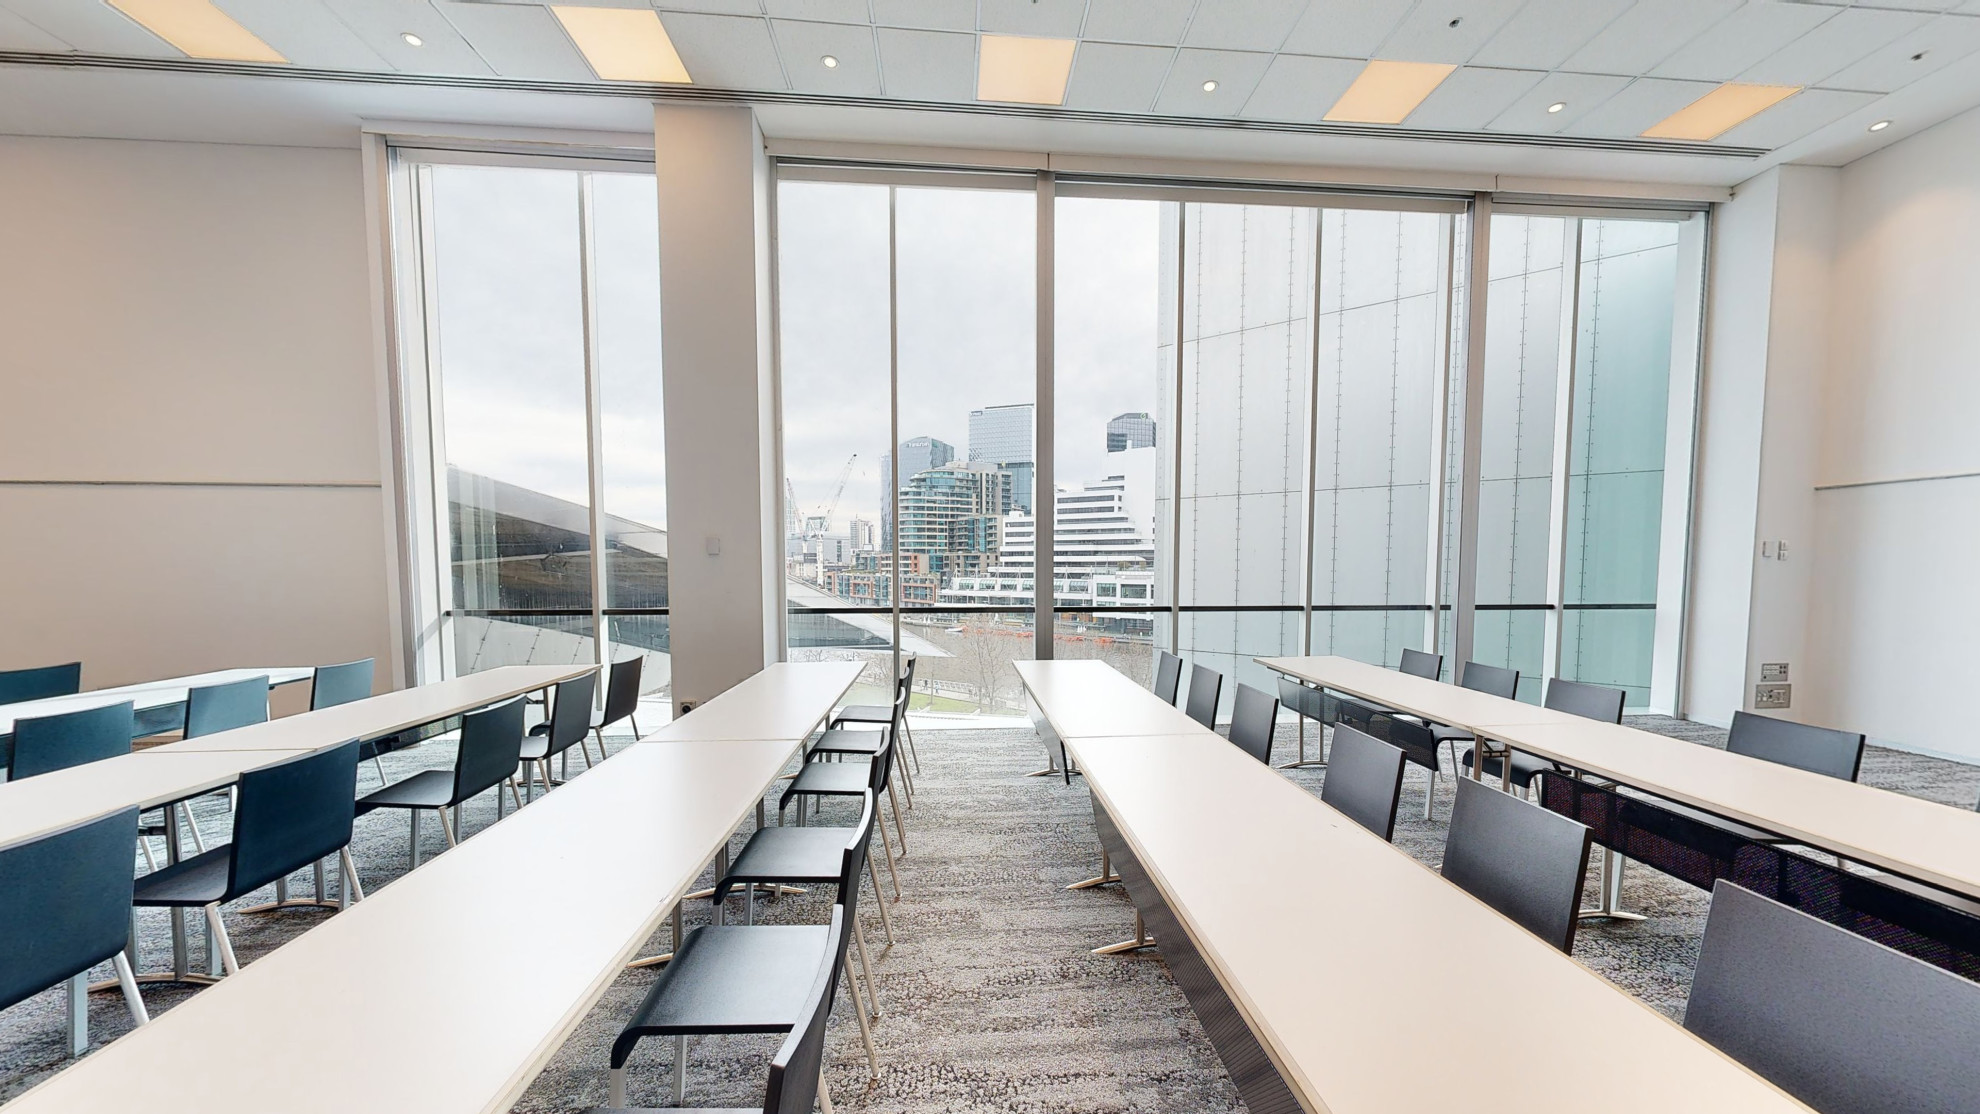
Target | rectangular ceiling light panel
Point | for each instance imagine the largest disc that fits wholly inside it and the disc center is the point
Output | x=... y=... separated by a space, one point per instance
x=1718 y=111
x=199 y=29
x=1387 y=92
x=623 y=44
x=1023 y=70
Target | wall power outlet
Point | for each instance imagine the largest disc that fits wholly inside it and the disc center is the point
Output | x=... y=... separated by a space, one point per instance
x=1766 y=695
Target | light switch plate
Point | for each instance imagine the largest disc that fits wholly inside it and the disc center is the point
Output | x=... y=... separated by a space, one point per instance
x=1773 y=696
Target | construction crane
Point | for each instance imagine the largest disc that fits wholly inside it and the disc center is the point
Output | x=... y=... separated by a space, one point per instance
x=814 y=525
x=825 y=516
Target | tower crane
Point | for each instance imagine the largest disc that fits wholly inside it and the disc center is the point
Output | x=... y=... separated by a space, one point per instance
x=825 y=516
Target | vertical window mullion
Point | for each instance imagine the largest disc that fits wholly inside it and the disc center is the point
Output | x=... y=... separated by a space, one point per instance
x=1044 y=486
x=594 y=432
x=1557 y=505
x=1175 y=417
x=1440 y=441
x=1477 y=282
x=894 y=417
x=1312 y=419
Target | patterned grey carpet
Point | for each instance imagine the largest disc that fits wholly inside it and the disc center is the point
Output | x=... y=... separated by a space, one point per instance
x=992 y=999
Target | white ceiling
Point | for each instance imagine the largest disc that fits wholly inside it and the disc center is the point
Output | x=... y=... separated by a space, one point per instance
x=1620 y=65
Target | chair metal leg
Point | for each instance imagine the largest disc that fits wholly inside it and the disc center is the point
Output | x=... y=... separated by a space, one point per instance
x=414 y=813
x=913 y=755
x=133 y=1000
x=873 y=992
x=824 y=1096
x=78 y=996
x=353 y=889
x=859 y=1011
x=218 y=929
x=449 y=824
x=886 y=920
x=900 y=828
x=885 y=845
x=380 y=767
x=1141 y=940
x=615 y=1089
x=150 y=860
x=680 y=1070
x=199 y=841
x=1430 y=795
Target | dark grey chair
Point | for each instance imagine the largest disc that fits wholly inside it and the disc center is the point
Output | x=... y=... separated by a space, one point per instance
x=341 y=684
x=490 y=751
x=1596 y=702
x=621 y=700
x=1364 y=780
x=1254 y=717
x=1489 y=679
x=40 y=682
x=866 y=740
x=290 y=815
x=65 y=903
x=1820 y=750
x=1168 y=676
x=1206 y=685
x=1518 y=858
x=1411 y=736
x=569 y=723
x=45 y=744
x=1835 y=1019
x=870 y=714
x=214 y=708
x=1416 y=663
x=851 y=778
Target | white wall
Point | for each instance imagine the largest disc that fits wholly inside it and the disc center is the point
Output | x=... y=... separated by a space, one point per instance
x=1893 y=607
x=189 y=441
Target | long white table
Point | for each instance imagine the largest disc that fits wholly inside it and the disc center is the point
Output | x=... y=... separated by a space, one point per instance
x=1919 y=839
x=785 y=701
x=447 y=991
x=160 y=705
x=1320 y=958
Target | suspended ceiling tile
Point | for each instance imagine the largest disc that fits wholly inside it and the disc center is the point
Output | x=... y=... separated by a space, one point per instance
x=1345 y=28
x=1921 y=5
x=1473 y=97
x=1646 y=102
x=1545 y=32
x=1117 y=77
x=928 y=65
x=383 y=23
x=1580 y=92
x=804 y=45
x=819 y=11
x=306 y=33
x=1243 y=24
x=17 y=33
x=1807 y=111
x=1943 y=41
x=1299 y=88
x=1853 y=34
x=1735 y=43
x=1235 y=72
x=520 y=41
x=726 y=52
x=1426 y=34
x=1647 y=34
x=1159 y=22
x=93 y=28
x=1050 y=19
x=708 y=7
x=937 y=15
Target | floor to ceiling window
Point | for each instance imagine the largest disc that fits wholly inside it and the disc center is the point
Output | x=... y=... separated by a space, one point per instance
x=528 y=303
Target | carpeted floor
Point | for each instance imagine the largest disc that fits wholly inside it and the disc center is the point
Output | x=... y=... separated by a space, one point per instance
x=992 y=999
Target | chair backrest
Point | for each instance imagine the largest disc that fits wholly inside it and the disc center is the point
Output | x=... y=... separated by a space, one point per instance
x=570 y=714
x=48 y=743
x=340 y=684
x=292 y=814
x=1302 y=699
x=1837 y=1020
x=1417 y=742
x=1489 y=679
x=859 y=837
x=67 y=903
x=1822 y=750
x=1364 y=780
x=622 y=689
x=1205 y=686
x=1168 y=676
x=1254 y=716
x=1518 y=858
x=491 y=748
x=881 y=771
x=1580 y=699
x=40 y=682
x=224 y=707
x=794 y=1070
x=1416 y=663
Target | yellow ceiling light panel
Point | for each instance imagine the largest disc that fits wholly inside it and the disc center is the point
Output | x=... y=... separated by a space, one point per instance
x=623 y=44
x=1720 y=110
x=1387 y=92
x=1023 y=70
x=199 y=29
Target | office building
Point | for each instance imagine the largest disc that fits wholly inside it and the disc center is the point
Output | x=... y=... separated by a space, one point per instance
x=1448 y=523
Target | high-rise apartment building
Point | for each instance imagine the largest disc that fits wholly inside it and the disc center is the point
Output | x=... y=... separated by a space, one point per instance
x=953 y=516
x=1002 y=435
x=916 y=454
x=1130 y=431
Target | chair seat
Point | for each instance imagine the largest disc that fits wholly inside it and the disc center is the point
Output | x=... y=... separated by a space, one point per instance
x=865 y=713
x=426 y=789
x=828 y=779
x=1445 y=733
x=734 y=979
x=835 y=741
x=200 y=880
x=786 y=855
x=1525 y=767
x=535 y=746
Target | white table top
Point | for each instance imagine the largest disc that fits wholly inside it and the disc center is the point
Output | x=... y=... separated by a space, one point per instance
x=787 y=700
x=1920 y=839
x=446 y=991
x=1338 y=949
x=148 y=694
x=1086 y=698
x=51 y=802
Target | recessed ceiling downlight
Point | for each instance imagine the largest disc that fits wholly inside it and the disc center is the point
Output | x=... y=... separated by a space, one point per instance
x=412 y=39
x=1880 y=125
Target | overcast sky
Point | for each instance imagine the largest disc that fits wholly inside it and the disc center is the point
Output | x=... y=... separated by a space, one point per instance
x=511 y=339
